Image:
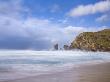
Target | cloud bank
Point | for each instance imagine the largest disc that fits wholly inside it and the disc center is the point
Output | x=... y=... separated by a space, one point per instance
x=99 y=7
x=33 y=33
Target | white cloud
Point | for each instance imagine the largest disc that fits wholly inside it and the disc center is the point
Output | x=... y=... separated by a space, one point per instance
x=11 y=26
x=99 y=7
x=73 y=30
x=33 y=22
x=103 y=18
x=13 y=8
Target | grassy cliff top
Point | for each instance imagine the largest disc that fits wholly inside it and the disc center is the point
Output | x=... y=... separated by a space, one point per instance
x=93 y=41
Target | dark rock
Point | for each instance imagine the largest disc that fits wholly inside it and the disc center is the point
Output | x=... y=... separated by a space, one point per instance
x=56 y=46
x=66 y=47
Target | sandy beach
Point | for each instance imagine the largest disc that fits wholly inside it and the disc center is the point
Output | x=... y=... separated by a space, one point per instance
x=84 y=73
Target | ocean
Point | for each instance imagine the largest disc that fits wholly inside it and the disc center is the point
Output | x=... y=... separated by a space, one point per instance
x=19 y=64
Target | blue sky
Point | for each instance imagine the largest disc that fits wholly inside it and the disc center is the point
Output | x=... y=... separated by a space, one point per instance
x=39 y=24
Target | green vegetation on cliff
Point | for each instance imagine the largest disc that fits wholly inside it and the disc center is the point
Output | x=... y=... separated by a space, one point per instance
x=93 y=41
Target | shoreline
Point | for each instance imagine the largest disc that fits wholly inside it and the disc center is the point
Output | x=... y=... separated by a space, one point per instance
x=82 y=73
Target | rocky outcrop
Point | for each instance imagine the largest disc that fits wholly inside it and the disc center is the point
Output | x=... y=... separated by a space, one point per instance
x=93 y=41
x=66 y=47
x=56 y=47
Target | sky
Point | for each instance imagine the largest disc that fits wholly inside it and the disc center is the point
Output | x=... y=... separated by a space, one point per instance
x=39 y=24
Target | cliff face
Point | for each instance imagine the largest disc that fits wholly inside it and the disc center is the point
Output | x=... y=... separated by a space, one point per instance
x=93 y=41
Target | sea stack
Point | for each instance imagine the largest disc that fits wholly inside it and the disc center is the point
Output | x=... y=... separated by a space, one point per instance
x=56 y=47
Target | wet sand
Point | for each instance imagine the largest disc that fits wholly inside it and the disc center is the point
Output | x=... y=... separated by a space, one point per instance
x=84 y=73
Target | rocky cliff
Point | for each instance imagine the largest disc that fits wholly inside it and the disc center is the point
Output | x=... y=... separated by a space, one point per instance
x=93 y=41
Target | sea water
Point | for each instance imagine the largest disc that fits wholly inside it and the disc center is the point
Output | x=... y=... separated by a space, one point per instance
x=19 y=64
